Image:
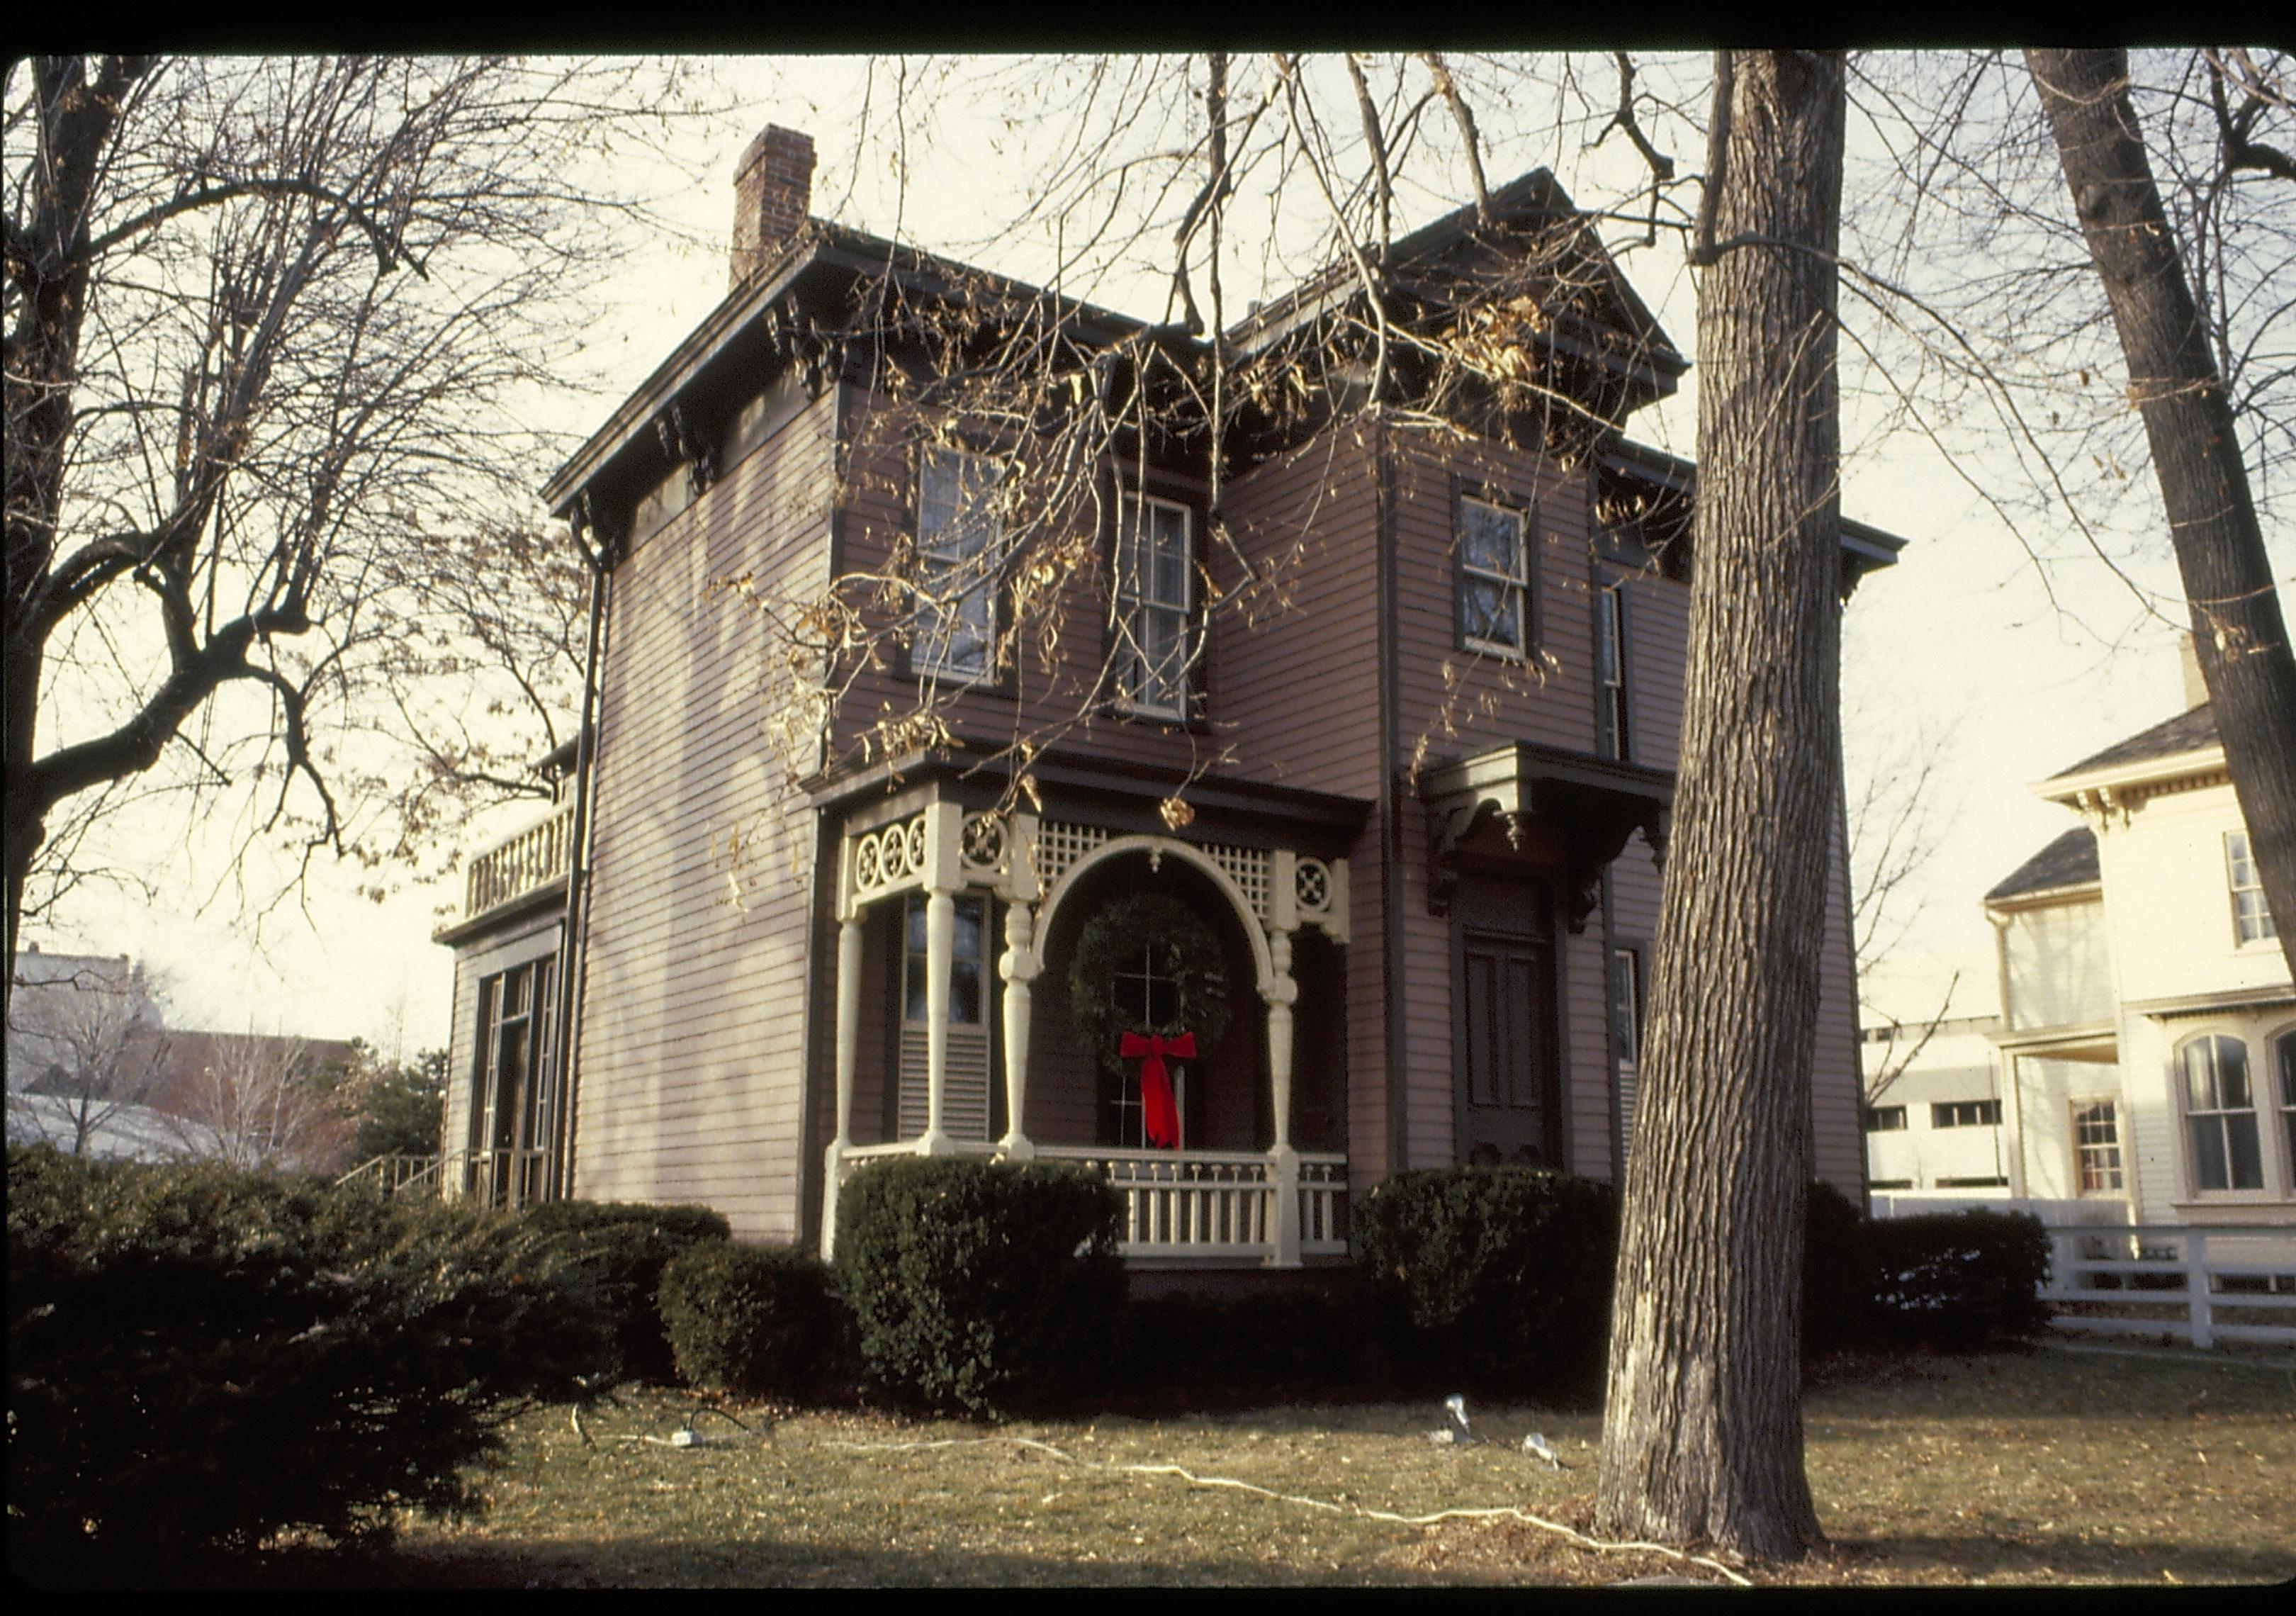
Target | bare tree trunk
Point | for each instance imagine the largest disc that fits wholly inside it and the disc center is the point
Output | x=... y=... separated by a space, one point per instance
x=1702 y=1435
x=2237 y=627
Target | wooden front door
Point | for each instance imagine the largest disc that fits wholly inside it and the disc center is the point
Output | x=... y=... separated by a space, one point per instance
x=1508 y=1063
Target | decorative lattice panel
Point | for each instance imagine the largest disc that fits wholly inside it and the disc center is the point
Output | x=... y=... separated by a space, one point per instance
x=1060 y=844
x=1248 y=868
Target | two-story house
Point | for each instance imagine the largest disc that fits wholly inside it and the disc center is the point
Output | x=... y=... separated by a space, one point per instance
x=858 y=869
x=2149 y=1026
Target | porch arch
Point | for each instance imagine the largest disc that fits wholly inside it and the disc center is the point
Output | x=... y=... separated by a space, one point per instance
x=1167 y=847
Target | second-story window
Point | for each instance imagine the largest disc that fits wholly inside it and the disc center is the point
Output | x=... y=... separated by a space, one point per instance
x=960 y=543
x=1493 y=579
x=1154 y=578
x=2252 y=920
x=1610 y=669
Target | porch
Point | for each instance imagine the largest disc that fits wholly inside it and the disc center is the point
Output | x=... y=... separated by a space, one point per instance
x=963 y=1040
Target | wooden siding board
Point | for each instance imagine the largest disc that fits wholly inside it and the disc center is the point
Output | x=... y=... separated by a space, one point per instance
x=692 y=1072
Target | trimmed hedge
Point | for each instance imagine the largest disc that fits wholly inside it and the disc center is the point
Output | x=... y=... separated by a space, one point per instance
x=983 y=1287
x=759 y=1321
x=1496 y=1279
x=1191 y=1350
x=1958 y=1279
x=198 y=1358
x=1837 y=1282
x=621 y=1249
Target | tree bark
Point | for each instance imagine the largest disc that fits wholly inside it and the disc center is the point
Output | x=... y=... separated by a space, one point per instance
x=1702 y=1436
x=2237 y=626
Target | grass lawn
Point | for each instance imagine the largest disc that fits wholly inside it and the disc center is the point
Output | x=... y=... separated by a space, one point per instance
x=2061 y=1466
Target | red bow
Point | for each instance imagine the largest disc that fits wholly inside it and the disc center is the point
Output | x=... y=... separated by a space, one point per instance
x=1160 y=1123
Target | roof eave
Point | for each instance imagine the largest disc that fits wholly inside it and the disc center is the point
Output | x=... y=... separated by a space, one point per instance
x=2142 y=771
x=2044 y=898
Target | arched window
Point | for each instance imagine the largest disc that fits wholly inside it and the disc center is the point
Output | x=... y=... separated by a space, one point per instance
x=2283 y=1049
x=2220 y=1114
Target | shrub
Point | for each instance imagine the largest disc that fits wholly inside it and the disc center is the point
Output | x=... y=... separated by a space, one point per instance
x=981 y=1286
x=1837 y=1309
x=201 y=1357
x=1495 y=1278
x=621 y=1249
x=757 y=1320
x=1197 y=1349
x=1960 y=1279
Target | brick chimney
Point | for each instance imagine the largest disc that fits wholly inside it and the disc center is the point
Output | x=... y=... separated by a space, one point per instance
x=2196 y=689
x=772 y=187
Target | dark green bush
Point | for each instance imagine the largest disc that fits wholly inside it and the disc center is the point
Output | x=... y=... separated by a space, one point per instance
x=986 y=1287
x=763 y=1321
x=198 y=1358
x=1494 y=1279
x=621 y=1248
x=1837 y=1309
x=1958 y=1279
x=1193 y=1351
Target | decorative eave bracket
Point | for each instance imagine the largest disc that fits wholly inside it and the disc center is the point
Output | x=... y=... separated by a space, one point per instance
x=1592 y=804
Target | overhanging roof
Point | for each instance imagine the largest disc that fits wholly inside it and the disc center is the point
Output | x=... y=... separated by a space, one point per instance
x=1870 y=546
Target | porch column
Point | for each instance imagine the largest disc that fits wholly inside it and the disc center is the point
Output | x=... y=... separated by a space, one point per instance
x=944 y=822
x=1018 y=966
x=1280 y=994
x=848 y=1051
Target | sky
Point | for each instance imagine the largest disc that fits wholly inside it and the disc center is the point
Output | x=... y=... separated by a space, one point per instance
x=2002 y=670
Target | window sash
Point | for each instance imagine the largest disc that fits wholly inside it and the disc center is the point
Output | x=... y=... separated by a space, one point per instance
x=2096 y=1147
x=2220 y=1115
x=1494 y=578
x=960 y=543
x=1965 y=1113
x=1155 y=589
x=1610 y=665
x=2251 y=916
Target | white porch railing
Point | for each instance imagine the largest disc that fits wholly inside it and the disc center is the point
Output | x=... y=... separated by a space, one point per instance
x=2201 y=1272
x=394 y=1174
x=520 y=862
x=1215 y=1205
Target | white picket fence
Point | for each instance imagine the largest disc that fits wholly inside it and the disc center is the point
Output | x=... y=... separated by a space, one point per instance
x=2117 y=1273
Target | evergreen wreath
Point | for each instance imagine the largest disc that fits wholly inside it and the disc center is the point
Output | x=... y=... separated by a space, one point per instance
x=1184 y=948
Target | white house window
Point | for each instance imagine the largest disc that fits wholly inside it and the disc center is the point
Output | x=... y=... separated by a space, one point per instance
x=2220 y=1115
x=1885 y=1118
x=2252 y=920
x=1154 y=583
x=960 y=543
x=1610 y=668
x=2096 y=1147
x=1967 y=1113
x=1493 y=579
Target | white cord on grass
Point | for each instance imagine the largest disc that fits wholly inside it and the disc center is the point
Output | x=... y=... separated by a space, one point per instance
x=1193 y=1480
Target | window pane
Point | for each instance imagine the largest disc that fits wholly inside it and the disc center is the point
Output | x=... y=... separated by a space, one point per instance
x=1489 y=612
x=2209 y=1154
x=2200 y=1077
x=2247 y=1160
x=2232 y=1074
x=1491 y=538
x=2286 y=1050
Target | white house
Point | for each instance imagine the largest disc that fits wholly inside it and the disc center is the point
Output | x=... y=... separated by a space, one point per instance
x=2148 y=1034
x=1933 y=1100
